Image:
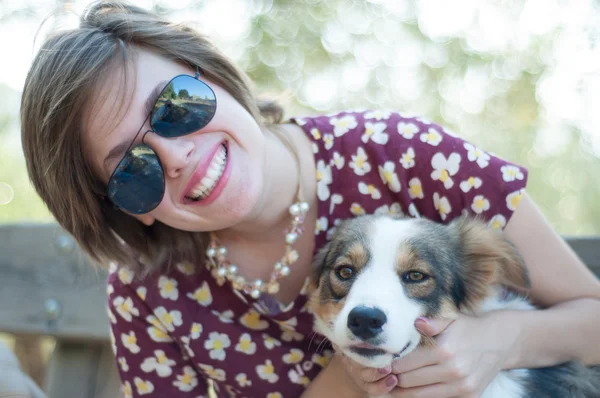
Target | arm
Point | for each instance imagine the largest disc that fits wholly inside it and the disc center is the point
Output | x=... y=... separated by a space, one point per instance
x=563 y=285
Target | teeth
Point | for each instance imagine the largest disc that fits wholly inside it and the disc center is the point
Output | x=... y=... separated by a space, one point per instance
x=215 y=170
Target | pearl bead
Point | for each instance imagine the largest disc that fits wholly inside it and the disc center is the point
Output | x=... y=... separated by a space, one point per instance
x=221 y=271
x=294 y=209
x=285 y=271
x=211 y=252
x=255 y=293
x=222 y=251
x=232 y=269
x=273 y=288
x=258 y=283
x=304 y=207
x=278 y=266
x=291 y=238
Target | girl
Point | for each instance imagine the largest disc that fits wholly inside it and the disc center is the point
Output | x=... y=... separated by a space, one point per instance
x=149 y=147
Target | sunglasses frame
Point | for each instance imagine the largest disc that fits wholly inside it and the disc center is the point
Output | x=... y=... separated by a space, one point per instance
x=131 y=146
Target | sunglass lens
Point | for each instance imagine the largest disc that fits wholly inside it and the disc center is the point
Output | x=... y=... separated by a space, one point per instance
x=185 y=105
x=138 y=183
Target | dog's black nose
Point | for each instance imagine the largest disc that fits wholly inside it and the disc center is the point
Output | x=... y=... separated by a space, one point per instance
x=366 y=322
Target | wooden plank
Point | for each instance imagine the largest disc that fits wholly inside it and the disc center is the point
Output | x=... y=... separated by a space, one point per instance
x=42 y=271
x=38 y=265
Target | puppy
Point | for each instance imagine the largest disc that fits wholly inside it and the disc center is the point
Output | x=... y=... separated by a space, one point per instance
x=378 y=274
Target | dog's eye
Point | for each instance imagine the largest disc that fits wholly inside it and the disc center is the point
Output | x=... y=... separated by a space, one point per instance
x=344 y=272
x=415 y=276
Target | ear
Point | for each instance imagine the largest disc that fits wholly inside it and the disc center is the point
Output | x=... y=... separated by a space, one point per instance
x=489 y=258
x=318 y=264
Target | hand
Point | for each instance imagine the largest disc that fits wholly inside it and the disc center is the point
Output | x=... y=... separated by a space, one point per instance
x=373 y=382
x=468 y=354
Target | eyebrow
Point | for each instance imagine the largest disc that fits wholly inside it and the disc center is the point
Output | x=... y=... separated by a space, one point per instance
x=119 y=149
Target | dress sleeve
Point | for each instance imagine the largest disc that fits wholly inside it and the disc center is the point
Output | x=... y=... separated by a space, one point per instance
x=444 y=176
x=150 y=362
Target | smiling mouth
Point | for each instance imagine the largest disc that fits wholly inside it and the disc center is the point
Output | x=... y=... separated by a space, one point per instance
x=214 y=173
x=370 y=352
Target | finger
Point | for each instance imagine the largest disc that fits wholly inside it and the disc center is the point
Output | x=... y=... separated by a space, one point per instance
x=432 y=327
x=427 y=375
x=421 y=356
x=441 y=390
x=381 y=387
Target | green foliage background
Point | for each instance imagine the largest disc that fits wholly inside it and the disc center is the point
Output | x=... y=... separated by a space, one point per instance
x=286 y=44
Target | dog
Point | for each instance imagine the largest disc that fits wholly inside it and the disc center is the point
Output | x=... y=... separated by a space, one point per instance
x=378 y=274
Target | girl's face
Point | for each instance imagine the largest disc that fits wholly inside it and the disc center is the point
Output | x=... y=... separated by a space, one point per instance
x=228 y=183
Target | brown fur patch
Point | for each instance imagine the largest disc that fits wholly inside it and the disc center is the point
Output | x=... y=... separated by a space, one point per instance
x=407 y=261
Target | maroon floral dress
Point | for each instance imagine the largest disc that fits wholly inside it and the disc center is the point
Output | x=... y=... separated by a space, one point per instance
x=175 y=332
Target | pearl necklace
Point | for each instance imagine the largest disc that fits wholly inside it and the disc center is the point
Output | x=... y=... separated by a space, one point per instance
x=223 y=270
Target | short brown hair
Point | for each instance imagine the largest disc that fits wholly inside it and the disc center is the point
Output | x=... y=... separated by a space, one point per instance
x=64 y=74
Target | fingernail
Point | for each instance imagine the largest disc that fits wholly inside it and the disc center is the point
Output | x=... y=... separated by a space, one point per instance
x=385 y=370
x=423 y=319
x=391 y=381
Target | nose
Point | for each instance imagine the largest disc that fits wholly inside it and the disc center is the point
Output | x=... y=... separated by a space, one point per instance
x=173 y=153
x=366 y=322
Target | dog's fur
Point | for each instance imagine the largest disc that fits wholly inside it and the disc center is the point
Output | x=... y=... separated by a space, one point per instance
x=408 y=268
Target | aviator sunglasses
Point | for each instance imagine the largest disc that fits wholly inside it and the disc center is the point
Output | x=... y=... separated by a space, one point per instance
x=185 y=105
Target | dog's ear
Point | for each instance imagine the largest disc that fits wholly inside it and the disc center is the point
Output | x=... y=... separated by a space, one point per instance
x=489 y=259
x=318 y=264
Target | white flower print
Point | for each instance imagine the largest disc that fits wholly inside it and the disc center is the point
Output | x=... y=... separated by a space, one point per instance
x=267 y=372
x=357 y=209
x=125 y=276
x=389 y=177
x=111 y=316
x=469 y=183
x=408 y=158
x=480 y=204
x=159 y=363
x=415 y=188
x=225 y=316
x=513 y=199
x=143 y=387
x=359 y=162
x=141 y=292
x=169 y=319
x=123 y=364
x=394 y=209
x=110 y=289
x=270 y=342
x=157 y=331
x=337 y=160
x=185 y=342
x=511 y=173
x=432 y=137
x=321 y=225
x=378 y=115
x=294 y=356
x=300 y=121
x=195 y=330
x=126 y=389
x=129 y=340
x=497 y=222
x=321 y=360
x=112 y=268
x=343 y=124
x=328 y=141
x=442 y=205
x=315 y=133
x=369 y=189
x=274 y=395
x=444 y=168
x=475 y=154
x=407 y=130
x=331 y=230
x=336 y=199
x=168 y=288
x=323 y=180
x=216 y=344
x=252 y=320
x=202 y=295
x=246 y=345
x=125 y=308
x=212 y=373
x=187 y=381
x=291 y=335
x=298 y=377
x=242 y=380
x=375 y=132
x=413 y=211
x=113 y=341
x=315 y=148
x=186 y=268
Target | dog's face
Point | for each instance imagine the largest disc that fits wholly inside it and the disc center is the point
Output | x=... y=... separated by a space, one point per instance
x=379 y=274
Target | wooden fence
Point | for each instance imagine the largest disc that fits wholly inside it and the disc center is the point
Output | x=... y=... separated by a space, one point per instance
x=48 y=287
